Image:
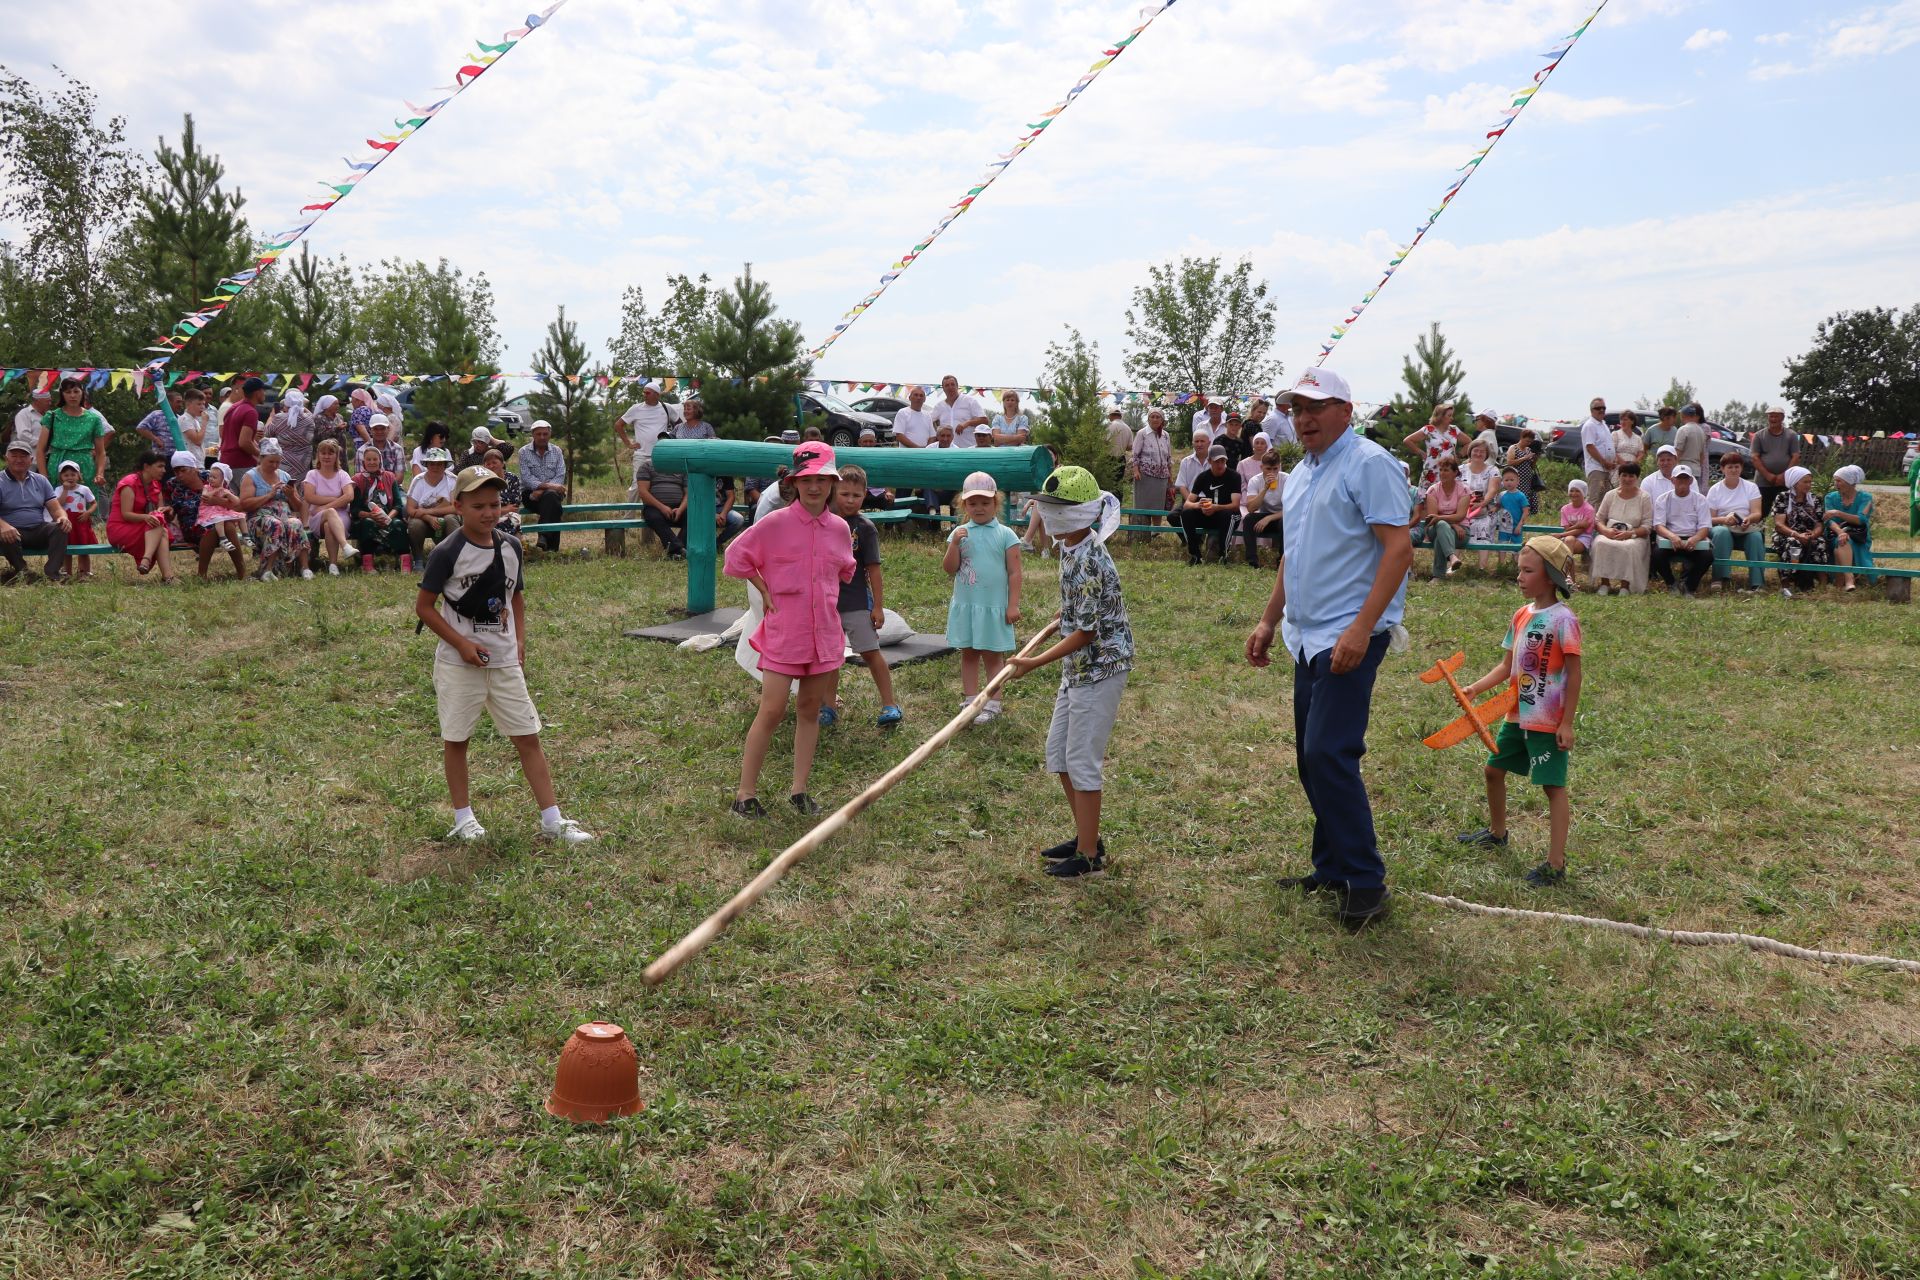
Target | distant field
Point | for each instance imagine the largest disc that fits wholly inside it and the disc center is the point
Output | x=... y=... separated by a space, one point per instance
x=256 y=1020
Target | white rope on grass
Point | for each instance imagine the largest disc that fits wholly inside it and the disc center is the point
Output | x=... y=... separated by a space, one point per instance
x=1682 y=937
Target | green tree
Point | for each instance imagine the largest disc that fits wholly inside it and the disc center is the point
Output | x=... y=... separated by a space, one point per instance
x=662 y=344
x=1738 y=415
x=749 y=361
x=191 y=236
x=1431 y=375
x=1070 y=389
x=1861 y=375
x=412 y=318
x=75 y=292
x=1678 y=395
x=567 y=397
x=309 y=327
x=1195 y=328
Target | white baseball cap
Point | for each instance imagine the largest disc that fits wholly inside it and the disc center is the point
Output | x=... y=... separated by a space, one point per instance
x=1318 y=384
x=979 y=485
x=1683 y=470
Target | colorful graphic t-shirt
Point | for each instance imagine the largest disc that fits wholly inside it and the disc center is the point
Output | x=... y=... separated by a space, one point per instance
x=1540 y=640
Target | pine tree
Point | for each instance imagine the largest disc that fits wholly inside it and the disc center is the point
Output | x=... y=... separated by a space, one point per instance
x=749 y=362
x=1432 y=375
x=193 y=235
x=310 y=326
x=567 y=396
x=1070 y=388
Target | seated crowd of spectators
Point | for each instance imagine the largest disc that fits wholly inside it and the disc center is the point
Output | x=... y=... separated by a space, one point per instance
x=1629 y=521
x=301 y=488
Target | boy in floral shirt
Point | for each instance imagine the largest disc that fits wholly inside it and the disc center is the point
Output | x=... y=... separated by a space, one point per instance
x=1543 y=658
x=1097 y=644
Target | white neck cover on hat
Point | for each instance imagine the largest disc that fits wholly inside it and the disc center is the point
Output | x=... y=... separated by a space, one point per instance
x=1102 y=515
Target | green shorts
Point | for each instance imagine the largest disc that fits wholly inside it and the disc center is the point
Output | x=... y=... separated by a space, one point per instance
x=1531 y=752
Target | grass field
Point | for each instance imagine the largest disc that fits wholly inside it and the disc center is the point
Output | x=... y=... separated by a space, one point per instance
x=256 y=1020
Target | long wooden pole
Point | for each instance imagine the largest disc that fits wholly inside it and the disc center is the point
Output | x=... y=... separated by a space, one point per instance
x=710 y=928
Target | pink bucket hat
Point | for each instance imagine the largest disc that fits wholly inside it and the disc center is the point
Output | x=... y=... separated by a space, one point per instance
x=813 y=459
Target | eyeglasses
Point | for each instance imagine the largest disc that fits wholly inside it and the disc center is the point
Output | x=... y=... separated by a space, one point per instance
x=1312 y=406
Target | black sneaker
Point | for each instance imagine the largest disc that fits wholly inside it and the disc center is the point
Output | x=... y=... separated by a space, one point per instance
x=1546 y=876
x=1307 y=884
x=1484 y=836
x=803 y=804
x=1067 y=848
x=748 y=808
x=1361 y=907
x=1079 y=865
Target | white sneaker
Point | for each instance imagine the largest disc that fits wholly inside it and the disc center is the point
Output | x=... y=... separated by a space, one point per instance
x=468 y=830
x=1603 y=590
x=988 y=716
x=268 y=575
x=305 y=574
x=566 y=831
x=333 y=571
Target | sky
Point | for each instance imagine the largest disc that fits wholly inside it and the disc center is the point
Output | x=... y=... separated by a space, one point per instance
x=1698 y=185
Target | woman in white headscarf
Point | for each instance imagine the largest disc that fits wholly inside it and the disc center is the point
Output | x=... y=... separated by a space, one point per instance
x=1799 y=527
x=292 y=425
x=329 y=425
x=1849 y=511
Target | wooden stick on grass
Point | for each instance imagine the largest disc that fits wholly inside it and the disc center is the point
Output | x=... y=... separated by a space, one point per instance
x=710 y=928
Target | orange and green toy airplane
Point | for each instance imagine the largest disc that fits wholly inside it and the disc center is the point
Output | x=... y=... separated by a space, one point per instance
x=1476 y=719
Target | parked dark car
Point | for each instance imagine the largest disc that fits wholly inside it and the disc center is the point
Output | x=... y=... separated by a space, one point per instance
x=843 y=422
x=885 y=406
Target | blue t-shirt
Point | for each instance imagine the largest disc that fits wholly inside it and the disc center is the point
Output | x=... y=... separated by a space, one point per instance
x=23 y=502
x=1513 y=505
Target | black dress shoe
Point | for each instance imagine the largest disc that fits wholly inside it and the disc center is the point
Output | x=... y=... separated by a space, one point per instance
x=1308 y=884
x=1361 y=907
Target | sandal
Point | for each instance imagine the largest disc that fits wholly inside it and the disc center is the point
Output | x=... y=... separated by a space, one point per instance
x=144 y=566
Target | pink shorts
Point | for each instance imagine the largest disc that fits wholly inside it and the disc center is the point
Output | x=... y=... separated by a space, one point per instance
x=799 y=670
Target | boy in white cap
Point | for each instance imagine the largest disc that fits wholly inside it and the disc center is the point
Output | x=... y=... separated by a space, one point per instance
x=1542 y=658
x=471 y=596
x=1097 y=645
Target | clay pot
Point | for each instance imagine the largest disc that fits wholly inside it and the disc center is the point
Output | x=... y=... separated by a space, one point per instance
x=598 y=1077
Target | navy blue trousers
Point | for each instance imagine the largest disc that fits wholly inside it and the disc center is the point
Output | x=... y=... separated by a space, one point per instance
x=1329 y=737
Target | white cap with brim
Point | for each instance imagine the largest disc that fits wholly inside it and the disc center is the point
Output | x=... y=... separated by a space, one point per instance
x=1318 y=384
x=381 y=420
x=1666 y=448
x=436 y=454
x=19 y=446
x=42 y=393
x=68 y=465
x=1683 y=470
x=979 y=485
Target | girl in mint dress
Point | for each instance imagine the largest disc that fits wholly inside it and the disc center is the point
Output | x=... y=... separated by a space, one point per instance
x=984 y=558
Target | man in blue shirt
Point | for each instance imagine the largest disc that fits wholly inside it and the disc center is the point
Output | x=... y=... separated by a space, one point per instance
x=30 y=516
x=1341 y=588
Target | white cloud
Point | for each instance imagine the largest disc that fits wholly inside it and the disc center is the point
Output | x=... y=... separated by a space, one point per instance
x=1776 y=38
x=1874 y=32
x=1703 y=39
x=1775 y=71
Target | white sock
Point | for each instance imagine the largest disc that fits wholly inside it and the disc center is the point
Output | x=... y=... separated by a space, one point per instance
x=462 y=815
x=550 y=816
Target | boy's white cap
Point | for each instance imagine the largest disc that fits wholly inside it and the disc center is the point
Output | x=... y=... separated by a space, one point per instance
x=61 y=470
x=1318 y=384
x=382 y=420
x=1683 y=470
x=979 y=485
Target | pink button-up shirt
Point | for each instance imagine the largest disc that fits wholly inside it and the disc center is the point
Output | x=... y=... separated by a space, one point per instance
x=803 y=559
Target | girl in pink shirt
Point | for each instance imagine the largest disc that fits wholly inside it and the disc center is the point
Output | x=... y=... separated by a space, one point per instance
x=1577 y=519
x=796 y=558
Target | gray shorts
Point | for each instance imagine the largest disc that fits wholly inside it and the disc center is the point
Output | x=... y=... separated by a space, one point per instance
x=858 y=624
x=1083 y=717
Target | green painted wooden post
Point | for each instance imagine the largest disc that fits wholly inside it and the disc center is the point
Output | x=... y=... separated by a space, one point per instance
x=1022 y=467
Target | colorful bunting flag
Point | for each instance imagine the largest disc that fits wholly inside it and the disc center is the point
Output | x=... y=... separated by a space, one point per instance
x=272 y=247
x=1521 y=98
x=993 y=171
